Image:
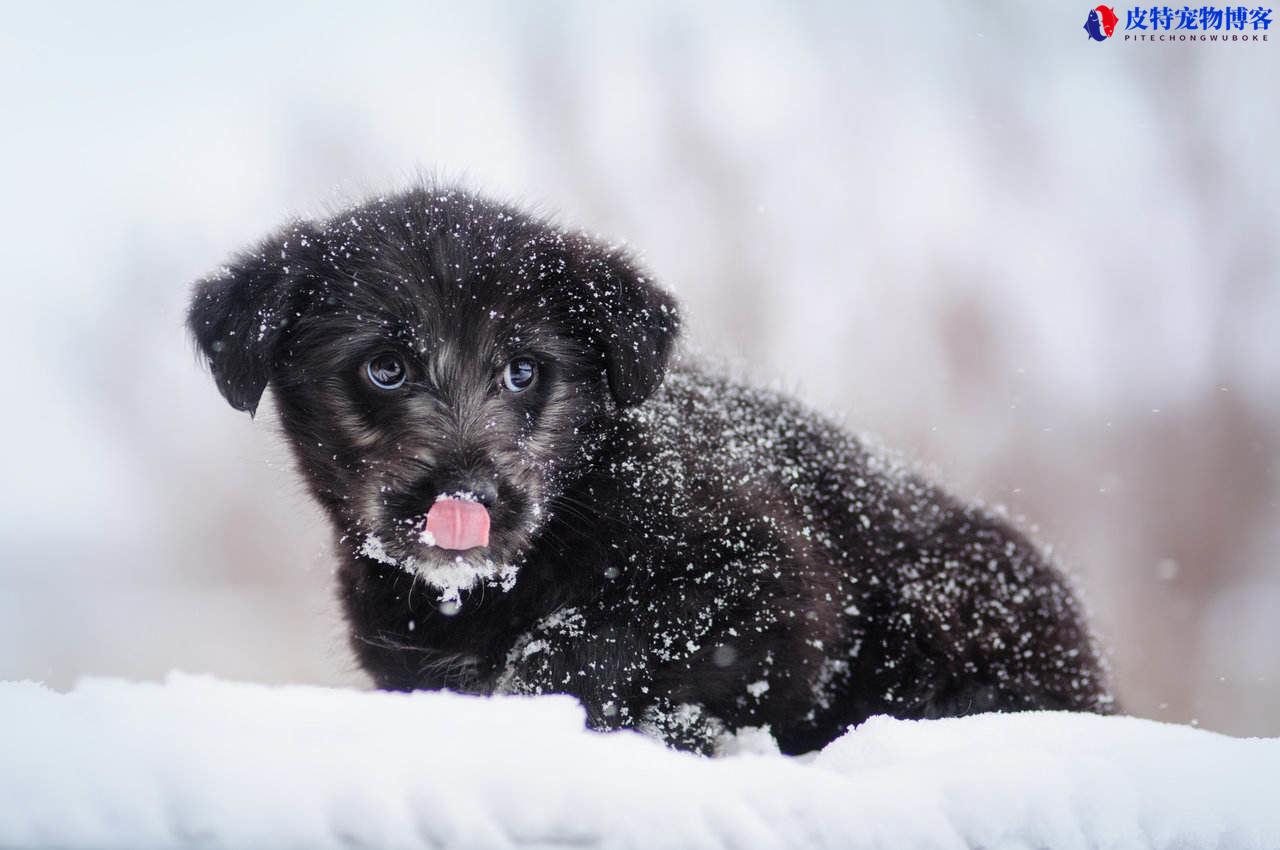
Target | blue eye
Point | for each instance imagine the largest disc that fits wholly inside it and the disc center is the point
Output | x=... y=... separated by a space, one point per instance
x=386 y=371
x=519 y=374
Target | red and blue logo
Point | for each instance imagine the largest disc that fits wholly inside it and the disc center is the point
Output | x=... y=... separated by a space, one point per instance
x=1164 y=23
x=1101 y=23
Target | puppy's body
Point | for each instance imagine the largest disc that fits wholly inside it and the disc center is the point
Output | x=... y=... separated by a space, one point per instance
x=689 y=556
x=731 y=560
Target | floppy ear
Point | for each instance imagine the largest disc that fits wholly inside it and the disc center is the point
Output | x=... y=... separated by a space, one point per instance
x=633 y=320
x=239 y=315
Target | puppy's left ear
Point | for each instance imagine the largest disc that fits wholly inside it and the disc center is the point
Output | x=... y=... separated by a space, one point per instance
x=239 y=315
x=634 y=321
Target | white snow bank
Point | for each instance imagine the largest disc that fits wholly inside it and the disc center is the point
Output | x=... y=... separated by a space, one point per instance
x=198 y=762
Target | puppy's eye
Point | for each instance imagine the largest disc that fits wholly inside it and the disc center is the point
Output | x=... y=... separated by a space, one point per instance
x=519 y=374
x=385 y=370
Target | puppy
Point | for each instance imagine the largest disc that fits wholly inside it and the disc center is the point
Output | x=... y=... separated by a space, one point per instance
x=528 y=497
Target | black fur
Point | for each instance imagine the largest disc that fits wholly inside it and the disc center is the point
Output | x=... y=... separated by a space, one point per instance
x=688 y=556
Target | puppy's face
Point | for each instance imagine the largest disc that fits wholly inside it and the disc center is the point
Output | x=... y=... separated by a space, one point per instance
x=408 y=395
x=440 y=365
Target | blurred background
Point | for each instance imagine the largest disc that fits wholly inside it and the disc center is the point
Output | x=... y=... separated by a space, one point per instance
x=1046 y=267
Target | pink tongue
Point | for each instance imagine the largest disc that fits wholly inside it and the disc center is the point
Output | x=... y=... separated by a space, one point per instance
x=458 y=524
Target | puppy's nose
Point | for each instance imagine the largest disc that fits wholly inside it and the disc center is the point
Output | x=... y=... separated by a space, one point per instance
x=481 y=488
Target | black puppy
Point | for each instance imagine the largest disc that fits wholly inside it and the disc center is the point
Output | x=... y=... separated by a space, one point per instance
x=523 y=504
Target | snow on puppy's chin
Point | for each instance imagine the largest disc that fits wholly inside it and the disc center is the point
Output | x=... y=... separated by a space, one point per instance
x=452 y=575
x=462 y=573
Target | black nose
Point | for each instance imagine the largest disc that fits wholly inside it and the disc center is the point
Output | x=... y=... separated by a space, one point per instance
x=482 y=488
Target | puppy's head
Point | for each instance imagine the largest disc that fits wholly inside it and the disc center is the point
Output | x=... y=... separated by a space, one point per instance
x=440 y=364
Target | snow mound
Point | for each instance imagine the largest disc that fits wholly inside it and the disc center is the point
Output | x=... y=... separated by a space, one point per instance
x=199 y=762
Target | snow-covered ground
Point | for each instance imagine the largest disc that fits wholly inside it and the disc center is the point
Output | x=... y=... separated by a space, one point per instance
x=197 y=762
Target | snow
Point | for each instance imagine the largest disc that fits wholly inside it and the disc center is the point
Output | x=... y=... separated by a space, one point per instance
x=452 y=578
x=197 y=761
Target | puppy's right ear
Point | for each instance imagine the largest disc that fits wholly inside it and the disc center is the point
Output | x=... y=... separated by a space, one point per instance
x=632 y=320
x=239 y=315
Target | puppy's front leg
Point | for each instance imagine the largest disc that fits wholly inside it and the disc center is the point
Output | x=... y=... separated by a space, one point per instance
x=566 y=653
x=681 y=726
x=608 y=669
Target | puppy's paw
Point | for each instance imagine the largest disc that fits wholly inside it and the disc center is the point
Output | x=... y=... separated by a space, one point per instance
x=683 y=726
